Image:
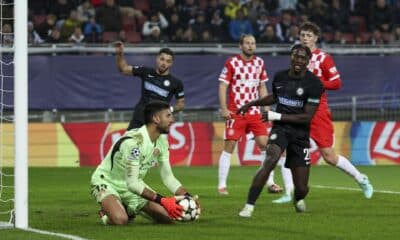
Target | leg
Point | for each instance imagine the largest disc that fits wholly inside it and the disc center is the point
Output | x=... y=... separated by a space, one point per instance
x=157 y=213
x=300 y=179
x=262 y=174
x=224 y=165
x=287 y=180
x=114 y=210
x=345 y=165
x=262 y=144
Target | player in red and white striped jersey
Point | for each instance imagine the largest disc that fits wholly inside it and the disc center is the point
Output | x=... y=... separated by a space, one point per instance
x=321 y=131
x=244 y=76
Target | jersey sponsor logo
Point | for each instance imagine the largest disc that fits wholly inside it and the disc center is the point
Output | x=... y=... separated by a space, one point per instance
x=167 y=83
x=153 y=88
x=313 y=100
x=135 y=153
x=300 y=91
x=290 y=102
x=273 y=136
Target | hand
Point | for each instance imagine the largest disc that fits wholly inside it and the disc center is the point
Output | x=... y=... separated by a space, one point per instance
x=271 y=116
x=243 y=109
x=119 y=48
x=225 y=113
x=169 y=203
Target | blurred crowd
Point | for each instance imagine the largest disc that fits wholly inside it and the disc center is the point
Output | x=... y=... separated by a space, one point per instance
x=370 y=22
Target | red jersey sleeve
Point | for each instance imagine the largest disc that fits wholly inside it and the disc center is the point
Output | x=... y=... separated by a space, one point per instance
x=330 y=76
x=226 y=73
x=263 y=75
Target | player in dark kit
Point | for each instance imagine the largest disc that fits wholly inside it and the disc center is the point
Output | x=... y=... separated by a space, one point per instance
x=297 y=93
x=157 y=84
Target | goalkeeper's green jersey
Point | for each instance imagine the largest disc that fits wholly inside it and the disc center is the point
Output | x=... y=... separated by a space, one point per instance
x=128 y=161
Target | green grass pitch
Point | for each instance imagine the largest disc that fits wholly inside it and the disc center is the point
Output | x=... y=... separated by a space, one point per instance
x=59 y=201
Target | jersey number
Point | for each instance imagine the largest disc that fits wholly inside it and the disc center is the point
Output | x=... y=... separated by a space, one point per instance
x=230 y=123
x=307 y=156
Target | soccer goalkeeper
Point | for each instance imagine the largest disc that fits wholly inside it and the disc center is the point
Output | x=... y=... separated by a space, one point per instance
x=117 y=183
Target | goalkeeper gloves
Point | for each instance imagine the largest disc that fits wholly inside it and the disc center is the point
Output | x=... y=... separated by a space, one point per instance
x=170 y=204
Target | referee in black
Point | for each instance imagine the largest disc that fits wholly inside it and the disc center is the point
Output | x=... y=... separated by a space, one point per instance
x=157 y=84
x=296 y=93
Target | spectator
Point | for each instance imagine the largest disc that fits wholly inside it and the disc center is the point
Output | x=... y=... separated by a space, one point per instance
x=55 y=36
x=189 y=36
x=287 y=5
x=339 y=17
x=155 y=25
x=109 y=16
x=358 y=39
x=318 y=13
x=380 y=16
x=269 y=36
x=233 y=7
x=7 y=36
x=187 y=11
x=169 y=8
x=377 y=38
x=92 y=31
x=256 y=9
x=45 y=28
x=218 y=27
x=395 y=37
x=213 y=6
x=283 y=26
x=175 y=28
x=155 y=35
x=338 y=38
x=294 y=34
x=77 y=36
x=61 y=8
x=85 y=11
x=33 y=37
x=128 y=10
x=69 y=25
x=272 y=7
x=240 y=26
x=261 y=22
x=200 y=25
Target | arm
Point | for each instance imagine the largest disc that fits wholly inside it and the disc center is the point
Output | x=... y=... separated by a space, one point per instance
x=122 y=65
x=331 y=77
x=309 y=110
x=263 y=91
x=225 y=113
x=179 y=105
x=169 y=179
x=332 y=84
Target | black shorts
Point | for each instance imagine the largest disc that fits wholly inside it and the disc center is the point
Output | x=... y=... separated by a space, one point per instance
x=137 y=120
x=296 y=143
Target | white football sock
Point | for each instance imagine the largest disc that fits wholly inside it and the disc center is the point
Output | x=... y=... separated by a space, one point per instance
x=223 y=168
x=287 y=177
x=270 y=180
x=345 y=165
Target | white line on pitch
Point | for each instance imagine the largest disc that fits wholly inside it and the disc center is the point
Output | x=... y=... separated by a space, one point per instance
x=62 y=235
x=315 y=186
x=353 y=189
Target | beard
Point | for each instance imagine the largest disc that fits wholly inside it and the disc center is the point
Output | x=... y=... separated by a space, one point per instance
x=163 y=130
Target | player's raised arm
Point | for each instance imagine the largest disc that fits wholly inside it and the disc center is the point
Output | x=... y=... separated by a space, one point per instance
x=122 y=65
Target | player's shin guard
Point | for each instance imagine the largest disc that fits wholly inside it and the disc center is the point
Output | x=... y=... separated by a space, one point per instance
x=223 y=169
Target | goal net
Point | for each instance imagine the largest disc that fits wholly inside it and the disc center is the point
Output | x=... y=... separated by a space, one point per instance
x=13 y=114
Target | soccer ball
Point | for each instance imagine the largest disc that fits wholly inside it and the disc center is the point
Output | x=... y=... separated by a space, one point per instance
x=190 y=210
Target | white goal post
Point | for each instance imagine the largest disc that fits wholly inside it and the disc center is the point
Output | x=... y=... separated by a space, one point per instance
x=21 y=113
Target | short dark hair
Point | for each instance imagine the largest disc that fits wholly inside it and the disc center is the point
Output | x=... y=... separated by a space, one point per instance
x=299 y=46
x=167 y=51
x=243 y=36
x=153 y=108
x=312 y=27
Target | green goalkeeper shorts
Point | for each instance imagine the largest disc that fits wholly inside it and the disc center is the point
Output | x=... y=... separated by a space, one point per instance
x=101 y=188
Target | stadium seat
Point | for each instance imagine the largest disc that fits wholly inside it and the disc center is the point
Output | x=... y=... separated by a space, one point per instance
x=358 y=23
x=128 y=24
x=110 y=37
x=133 y=37
x=141 y=5
x=349 y=37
